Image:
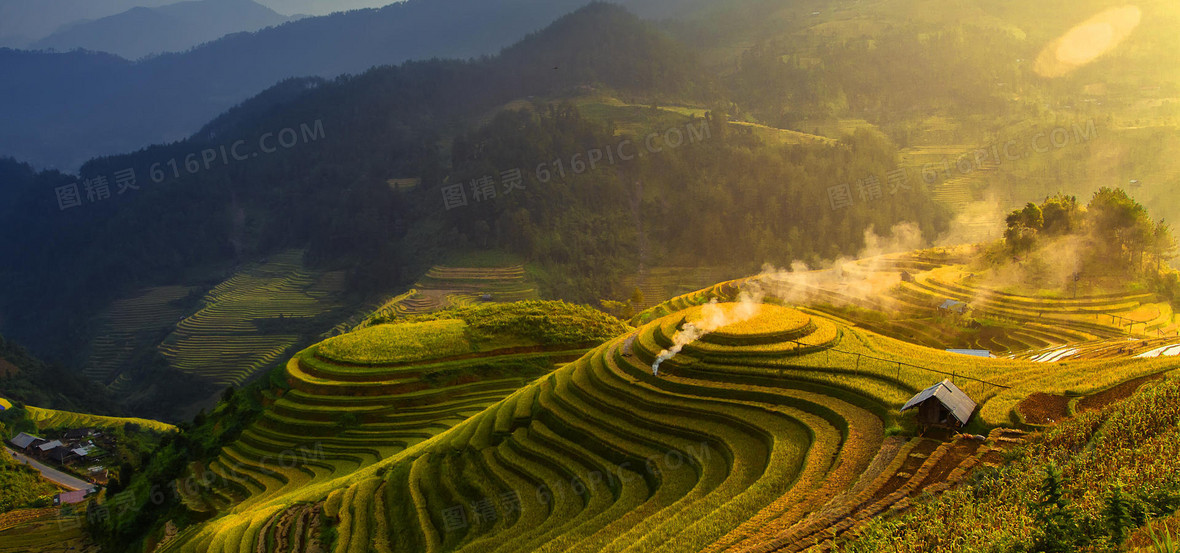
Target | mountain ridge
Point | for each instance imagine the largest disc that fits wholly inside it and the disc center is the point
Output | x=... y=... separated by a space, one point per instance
x=143 y=31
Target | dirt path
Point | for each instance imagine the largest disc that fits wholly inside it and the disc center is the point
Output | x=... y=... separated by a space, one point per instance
x=1122 y=391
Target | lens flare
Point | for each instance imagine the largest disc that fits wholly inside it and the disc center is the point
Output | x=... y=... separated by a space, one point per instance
x=1087 y=41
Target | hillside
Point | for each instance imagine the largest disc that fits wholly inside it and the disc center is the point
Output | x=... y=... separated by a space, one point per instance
x=764 y=433
x=350 y=402
x=21 y=487
x=26 y=379
x=1117 y=455
x=578 y=227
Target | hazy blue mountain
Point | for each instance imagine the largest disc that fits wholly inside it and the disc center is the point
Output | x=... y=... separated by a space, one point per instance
x=25 y=21
x=176 y=27
x=60 y=111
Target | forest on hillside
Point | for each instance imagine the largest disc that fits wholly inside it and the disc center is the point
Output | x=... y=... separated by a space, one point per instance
x=329 y=192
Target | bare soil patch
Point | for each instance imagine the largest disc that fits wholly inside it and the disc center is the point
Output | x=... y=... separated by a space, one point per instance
x=1042 y=408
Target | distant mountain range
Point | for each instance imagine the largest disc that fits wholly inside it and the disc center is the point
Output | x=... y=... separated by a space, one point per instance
x=62 y=109
x=176 y=27
x=24 y=21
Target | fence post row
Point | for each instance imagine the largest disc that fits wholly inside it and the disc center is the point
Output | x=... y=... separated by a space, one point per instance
x=954 y=374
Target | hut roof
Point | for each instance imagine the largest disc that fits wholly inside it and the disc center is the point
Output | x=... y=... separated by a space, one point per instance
x=958 y=403
x=23 y=440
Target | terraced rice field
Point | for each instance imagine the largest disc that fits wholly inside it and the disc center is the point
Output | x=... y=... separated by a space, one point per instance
x=1045 y=321
x=45 y=531
x=952 y=172
x=127 y=324
x=873 y=293
x=442 y=287
x=52 y=418
x=765 y=435
x=355 y=400
x=223 y=341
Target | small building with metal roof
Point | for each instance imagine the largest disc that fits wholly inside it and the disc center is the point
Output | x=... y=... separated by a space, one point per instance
x=23 y=441
x=942 y=404
x=48 y=446
x=974 y=352
x=954 y=306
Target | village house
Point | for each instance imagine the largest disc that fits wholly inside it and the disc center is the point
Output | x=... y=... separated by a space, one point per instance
x=43 y=449
x=62 y=455
x=25 y=442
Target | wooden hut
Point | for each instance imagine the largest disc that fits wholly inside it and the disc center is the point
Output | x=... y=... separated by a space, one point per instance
x=943 y=405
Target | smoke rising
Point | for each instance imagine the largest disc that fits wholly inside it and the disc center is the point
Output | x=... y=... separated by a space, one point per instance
x=977 y=222
x=865 y=277
x=713 y=316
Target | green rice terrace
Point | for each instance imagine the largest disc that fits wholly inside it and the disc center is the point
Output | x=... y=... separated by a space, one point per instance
x=445 y=286
x=777 y=429
x=51 y=418
x=130 y=321
x=355 y=400
x=251 y=320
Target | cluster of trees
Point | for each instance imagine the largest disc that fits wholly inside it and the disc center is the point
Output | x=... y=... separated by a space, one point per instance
x=723 y=199
x=1118 y=232
x=148 y=486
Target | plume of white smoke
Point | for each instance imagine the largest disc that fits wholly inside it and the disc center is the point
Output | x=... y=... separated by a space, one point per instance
x=867 y=276
x=713 y=316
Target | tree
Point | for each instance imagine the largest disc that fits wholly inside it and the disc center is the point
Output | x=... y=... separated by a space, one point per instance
x=1023 y=227
x=1163 y=243
x=1057 y=527
x=1060 y=215
x=620 y=309
x=1119 y=224
x=1117 y=513
x=636 y=299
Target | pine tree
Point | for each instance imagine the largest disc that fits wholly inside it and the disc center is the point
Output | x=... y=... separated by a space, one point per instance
x=1058 y=530
x=1118 y=513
